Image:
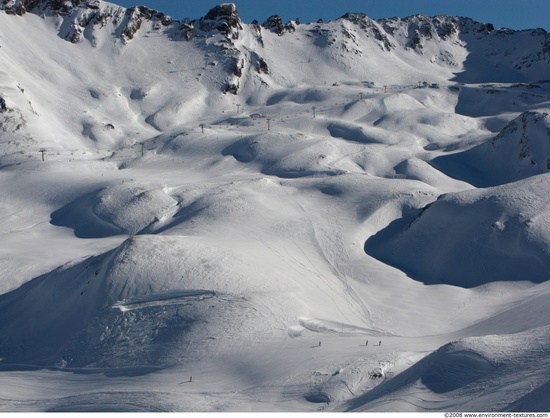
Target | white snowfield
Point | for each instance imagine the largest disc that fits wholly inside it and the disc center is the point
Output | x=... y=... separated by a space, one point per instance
x=375 y=238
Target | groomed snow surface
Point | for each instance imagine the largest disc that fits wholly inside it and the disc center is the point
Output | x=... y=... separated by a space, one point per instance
x=376 y=238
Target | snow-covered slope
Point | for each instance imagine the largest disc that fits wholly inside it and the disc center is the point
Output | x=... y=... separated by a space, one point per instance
x=261 y=206
x=489 y=366
x=473 y=237
x=520 y=150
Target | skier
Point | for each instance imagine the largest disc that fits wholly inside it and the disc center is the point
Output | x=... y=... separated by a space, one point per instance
x=367 y=343
x=379 y=342
x=319 y=343
x=190 y=378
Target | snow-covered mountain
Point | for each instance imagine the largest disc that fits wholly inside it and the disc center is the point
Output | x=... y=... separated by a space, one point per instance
x=343 y=215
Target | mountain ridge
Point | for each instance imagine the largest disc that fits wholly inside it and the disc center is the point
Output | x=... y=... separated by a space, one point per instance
x=411 y=32
x=236 y=58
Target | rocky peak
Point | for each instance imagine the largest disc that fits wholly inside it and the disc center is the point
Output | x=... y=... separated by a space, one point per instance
x=366 y=24
x=79 y=14
x=138 y=14
x=223 y=18
x=274 y=24
x=418 y=29
x=224 y=12
x=20 y=7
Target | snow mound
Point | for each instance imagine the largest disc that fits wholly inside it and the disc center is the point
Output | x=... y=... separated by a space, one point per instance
x=139 y=305
x=285 y=155
x=349 y=132
x=120 y=209
x=473 y=237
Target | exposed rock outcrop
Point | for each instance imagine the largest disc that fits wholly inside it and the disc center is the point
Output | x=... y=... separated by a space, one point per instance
x=274 y=24
x=371 y=27
x=224 y=19
x=79 y=14
x=3 y=106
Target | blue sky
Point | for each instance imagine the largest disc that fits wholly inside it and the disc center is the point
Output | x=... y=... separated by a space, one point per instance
x=514 y=14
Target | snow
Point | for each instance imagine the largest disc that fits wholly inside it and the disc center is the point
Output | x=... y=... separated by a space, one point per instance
x=508 y=224
x=387 y=195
